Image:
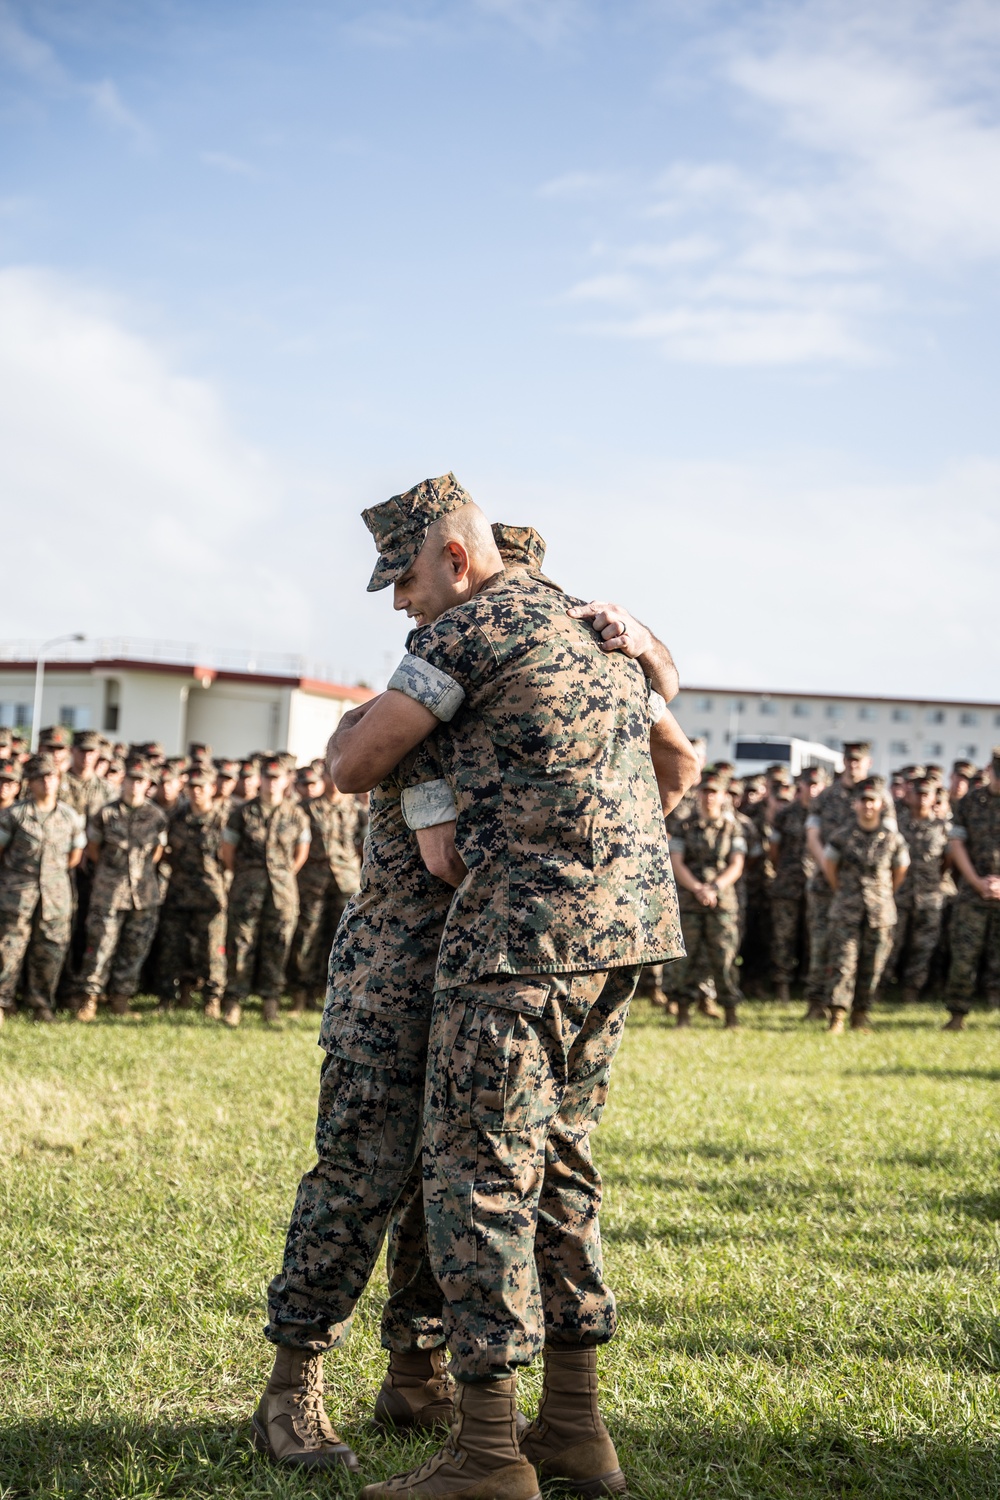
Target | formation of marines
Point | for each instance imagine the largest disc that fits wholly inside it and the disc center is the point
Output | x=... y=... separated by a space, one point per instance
x=185 y=876
x=848 y=887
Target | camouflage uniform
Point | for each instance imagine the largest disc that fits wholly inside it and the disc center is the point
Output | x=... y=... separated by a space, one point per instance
x=829 y=812
x=753 y=891
x=560 y=826
x=375 y=1030
x=795 y=868
x=86 y=795
x=36 y=898
x=920 y=901
x=862 y=911
x=975 y=922
x=711 y=933
x=192 y=936
x=264 y=898
x=124 y=899
x=328 y=877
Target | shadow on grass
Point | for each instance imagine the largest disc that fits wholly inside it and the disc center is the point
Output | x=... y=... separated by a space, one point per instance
x=984 y=1075
x=681 y=1455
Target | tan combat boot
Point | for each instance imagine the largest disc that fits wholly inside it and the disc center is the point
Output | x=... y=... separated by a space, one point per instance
x=683 y=1013
x=861 y=1021
x=213 y=1009
x=232 y=1012
x=568 y=1439
x=417 y=1391
x=290 y=1424
x=119 y=1006
x=817 y=1012
x=732 y=1019
x=480 y=1461
x=298 y=1007
x=783 y=991
x=269 y=1012
x=836 y=1025
x=708 y=1007
x=86 y=1009
x=956 y=1023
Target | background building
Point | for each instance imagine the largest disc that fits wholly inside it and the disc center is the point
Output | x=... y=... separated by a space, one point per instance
x=901 y=730
x=175 y=693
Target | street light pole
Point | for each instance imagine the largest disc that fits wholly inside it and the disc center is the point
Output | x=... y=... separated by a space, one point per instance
x=36 y=712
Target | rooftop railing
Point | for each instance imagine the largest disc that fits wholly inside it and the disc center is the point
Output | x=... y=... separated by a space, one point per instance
x=179 y=653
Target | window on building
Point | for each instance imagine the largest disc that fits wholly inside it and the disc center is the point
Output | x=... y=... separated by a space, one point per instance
x=868 y=712
x=933 y=749
x=833 y=743
x=703 y=734
x=111 y=705
x=835 y=710
x=75 y=716
x=768 y=707
x=22 y=715
x=969 y=752
x=899 y=747
x=801 y=710
x=738 y=706
x=703 y=705
x=935 y=716
x=996 y=719
x=968 y=716
x=902 y=715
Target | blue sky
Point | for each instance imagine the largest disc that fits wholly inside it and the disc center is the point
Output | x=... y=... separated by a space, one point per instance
x=707 y=292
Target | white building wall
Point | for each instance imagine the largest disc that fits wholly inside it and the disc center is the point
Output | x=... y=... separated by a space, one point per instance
x=236 y=717
x=64 y=695
x=312 y=720
x=901 y=730
x=152 y=706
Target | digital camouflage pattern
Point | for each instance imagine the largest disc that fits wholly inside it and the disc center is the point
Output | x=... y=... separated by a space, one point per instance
x=974 y=930
x=793 y=871
x=518 y=1077
x=828 y=812
x=862 y=912
x=559 y=816
x=328 y=877
x=920 y=901
x=84 y=794
x=264 y=896
x=191 y=942
x=711 y=934
x=118 y=944
x=128 y=839
x=36 y=898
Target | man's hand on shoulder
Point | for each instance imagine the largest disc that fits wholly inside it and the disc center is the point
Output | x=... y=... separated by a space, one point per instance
x=618 y=629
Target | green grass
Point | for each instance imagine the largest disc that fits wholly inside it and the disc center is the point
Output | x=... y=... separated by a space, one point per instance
x=803 y=1233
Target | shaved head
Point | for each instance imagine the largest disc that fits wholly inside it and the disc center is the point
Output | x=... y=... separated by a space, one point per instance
x=458 y=556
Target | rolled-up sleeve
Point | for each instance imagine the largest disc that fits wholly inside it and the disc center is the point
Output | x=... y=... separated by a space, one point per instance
x=427 y=684
x=427 y=805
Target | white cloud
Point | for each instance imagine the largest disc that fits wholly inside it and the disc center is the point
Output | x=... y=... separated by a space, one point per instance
x=227 y=163
x=36 y=60
x=881 y=133
x=543 y=21
x=138 y=510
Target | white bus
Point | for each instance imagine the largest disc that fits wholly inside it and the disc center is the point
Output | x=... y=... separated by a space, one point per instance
x=753 y=754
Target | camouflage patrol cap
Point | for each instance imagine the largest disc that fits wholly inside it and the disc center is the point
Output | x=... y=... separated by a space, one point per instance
x=870 y=786
x=40 y=765
x=200 y=776
x=857 y=747
x=9 y=770
x=138 y=768
x=86 y=739
x=199 y=751
x=175 y=766
x=274 y=765
x=52 y=738
x=227 y=768
x=399 y=525
x=779 y=775
x=519 y=544
x=968 y=768
x=755 y=784
x=713 y=781
x=810 y=775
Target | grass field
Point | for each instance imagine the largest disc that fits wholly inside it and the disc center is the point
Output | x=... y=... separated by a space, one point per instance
x=804 y=1233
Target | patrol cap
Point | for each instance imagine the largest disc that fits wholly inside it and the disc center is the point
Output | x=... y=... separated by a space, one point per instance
x=870 y=786
x=307 y=775
x=200 y=776
x=857 y=747
x=274 y=765
x=755 y=784
x=779 y=775
x=227 y=767
x=175 y=766
x=968 y=768
x=138 y=768
x=116 y=767
x=152 y=749
x=910 y=773
x=924 y=783
x=935 y=773
x=995 y=760
x=197 y=750
x=519 y=544
x=9 y=770
x=52 y=738
x=86 y=739
x=40 y=765
x=713 y=781
x=810 y=775
x=399 y=525
x=250 y=766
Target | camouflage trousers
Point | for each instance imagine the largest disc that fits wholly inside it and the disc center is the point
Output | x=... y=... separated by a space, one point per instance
x=368 y=1177
x=321 y=905
x=788 y=937
x=857 y=956
x=37 y=946
x=975 y=949
x=258 y=937
x=712 y=940
x=191 y=949
x=117 y=945
x=517 y=1079
x=818 y=898
x=918 y=929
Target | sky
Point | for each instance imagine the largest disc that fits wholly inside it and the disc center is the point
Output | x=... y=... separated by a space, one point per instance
x=706 y=292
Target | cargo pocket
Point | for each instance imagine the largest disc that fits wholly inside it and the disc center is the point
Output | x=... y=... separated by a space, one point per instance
x=353 y=1101
x=512 y=1082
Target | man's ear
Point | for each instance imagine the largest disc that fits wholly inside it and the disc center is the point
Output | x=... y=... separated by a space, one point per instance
x=458 y=560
